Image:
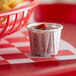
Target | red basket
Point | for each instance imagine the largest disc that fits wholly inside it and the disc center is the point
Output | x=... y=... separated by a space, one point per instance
x=16 y=18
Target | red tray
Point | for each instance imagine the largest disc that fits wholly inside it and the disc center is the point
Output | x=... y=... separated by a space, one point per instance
x=55 y=12
x=16 y=59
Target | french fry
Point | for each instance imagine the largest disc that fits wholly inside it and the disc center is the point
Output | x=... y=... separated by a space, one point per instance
x=8 y=5
x=13 y=3
x=3 y=19
x=5 y=7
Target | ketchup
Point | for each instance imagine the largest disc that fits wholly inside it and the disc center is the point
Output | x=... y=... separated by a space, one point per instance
x=41 y=27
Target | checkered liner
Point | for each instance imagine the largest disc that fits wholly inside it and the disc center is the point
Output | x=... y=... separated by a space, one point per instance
x=15 y=49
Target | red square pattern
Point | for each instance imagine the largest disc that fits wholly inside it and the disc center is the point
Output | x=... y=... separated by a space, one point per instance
x=25 y=33
x=19 y=39
x=64 y=53
x=2 y=62
x=14 y=56
x=43 y=59
x=25 y=49
x=6 y=45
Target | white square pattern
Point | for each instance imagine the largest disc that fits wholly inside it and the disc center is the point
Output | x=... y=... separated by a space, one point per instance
x=15 y=61
x=9 y=51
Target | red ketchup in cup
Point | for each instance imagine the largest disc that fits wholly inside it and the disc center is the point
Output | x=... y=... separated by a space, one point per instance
x=44 y=38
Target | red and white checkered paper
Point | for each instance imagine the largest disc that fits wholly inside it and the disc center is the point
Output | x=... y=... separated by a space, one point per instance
x=15 y=49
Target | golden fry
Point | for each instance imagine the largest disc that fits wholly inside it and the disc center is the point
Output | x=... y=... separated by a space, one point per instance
x=3 y=19
x=5 y=7
x=13 y=3
x=8 y=5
